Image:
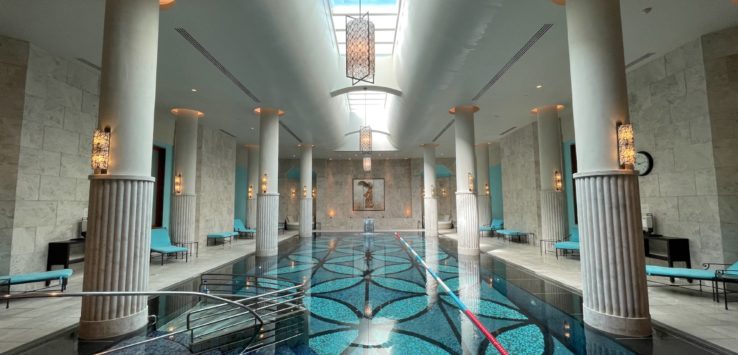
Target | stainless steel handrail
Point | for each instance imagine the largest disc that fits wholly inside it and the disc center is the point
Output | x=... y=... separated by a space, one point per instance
x=137 y=293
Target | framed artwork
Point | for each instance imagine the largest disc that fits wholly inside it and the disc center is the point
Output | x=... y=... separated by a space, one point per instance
x=368 y=195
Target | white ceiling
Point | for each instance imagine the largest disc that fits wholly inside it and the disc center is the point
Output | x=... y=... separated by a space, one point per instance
x=285 y=52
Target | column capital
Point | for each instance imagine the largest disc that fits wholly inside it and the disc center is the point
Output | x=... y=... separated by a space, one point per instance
x=251 y=146
x=463 y=109
x=539 y=109
x=261 y=111
x=305 y=146
x=186 y=112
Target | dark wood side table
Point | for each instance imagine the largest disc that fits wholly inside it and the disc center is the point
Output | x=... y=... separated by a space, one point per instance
x=64 y=253
x=667 y=248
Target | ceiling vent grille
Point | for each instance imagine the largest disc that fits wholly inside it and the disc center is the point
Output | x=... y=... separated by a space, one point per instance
x=639 y=59
x=188 y=37
x=89 y=63
x=443 y=130
x=538 y=35
x=508 y=130
x=290 y=131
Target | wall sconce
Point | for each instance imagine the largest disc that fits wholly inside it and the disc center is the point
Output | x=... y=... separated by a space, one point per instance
x=444 y=193
x=293 y=193
x=251 y=191
x=433 y=190
x=367 y=164
x=486 y=189
x=264 y=184
x=626 y=146
x=304 y=191
x=315 y=192
x=558 y=182
x=331 y=213
x=471 y=182
x=408 y=212
x=178 y=184
x=100 y=150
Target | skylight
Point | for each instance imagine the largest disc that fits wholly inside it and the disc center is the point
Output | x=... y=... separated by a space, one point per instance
x=369 y=106
x=384 y=14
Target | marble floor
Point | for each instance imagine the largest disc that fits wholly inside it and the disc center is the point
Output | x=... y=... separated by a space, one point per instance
x=32 y=319
x=688 y=312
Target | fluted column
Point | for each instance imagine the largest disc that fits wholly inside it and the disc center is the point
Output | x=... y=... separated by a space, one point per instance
x=469 y=293
x=119 y=213
x=553 y=211
x=184 y=197
x=267 y=209
x=467 y=222
x=484 y=209
x=306 y=194
x=430 y=200
x=253 y=185
x=613 y=272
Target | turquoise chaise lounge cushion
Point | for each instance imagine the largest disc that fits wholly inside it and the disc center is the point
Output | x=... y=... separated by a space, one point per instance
x=161 y=243
x=238 y=226
x=38 y=276
x=496 y=224
x=510 y=232
x=567 y=245
x=700 y=274
x=222 y=235
x=574 y=234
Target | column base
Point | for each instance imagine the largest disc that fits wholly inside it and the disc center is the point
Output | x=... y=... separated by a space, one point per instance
x=267 y=212
x=632 y=327
x=113 y=328
x=467 y=224
x=306 y=217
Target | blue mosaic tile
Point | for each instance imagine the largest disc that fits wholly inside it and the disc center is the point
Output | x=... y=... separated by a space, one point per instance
x=333 y=285
x=331 y=309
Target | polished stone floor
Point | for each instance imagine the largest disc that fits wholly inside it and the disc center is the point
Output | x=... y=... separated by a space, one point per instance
x=32 y=319
x=686 y=311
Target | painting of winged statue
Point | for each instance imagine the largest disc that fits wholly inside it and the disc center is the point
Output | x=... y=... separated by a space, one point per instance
x=368 y=195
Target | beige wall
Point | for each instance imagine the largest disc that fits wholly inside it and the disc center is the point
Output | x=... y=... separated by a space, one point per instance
x=520 y=180
x=216 y=182
x=59 y=116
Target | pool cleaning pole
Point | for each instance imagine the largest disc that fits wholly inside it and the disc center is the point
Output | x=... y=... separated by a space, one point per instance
x=456 y=299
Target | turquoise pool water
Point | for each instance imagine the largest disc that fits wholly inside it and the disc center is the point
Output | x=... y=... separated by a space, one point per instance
x=366 y=295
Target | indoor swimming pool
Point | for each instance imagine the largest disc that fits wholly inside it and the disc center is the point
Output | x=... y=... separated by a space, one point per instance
x=366 y=294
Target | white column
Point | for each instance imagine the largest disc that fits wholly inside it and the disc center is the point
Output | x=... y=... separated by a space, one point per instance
x=306 y=191
x=253 y=186
x=553 y=210
x=431 y=258
x=119 y=217
x=613 y=273
x=267 y=209
x=483 y=204
x=430 y=200
x=185 y=169
x=467 y=223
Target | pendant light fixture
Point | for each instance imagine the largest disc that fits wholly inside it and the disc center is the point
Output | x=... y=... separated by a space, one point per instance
x=360 y=52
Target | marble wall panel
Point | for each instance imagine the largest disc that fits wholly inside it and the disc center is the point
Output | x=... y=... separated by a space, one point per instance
x=520 y=179
x=216 y=182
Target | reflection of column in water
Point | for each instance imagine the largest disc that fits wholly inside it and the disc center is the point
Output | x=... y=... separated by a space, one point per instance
x=469 y=295
x=305 y=278
x=431 y=259
x=265 y=264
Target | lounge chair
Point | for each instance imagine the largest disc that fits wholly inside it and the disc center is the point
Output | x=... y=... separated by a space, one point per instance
x=445 y=222
x=730 y=274
x=215 y=237
x=572 y=245
x=509 y=234
x=496 y=224
x=62 y=275
x=241 y=229
x=162 y=244
x=292 y=223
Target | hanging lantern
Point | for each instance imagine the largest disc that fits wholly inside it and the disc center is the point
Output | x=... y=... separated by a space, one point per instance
x=100 y=150
x=365 y=139
x=626 y=146
x=178 y=184
x=360 y=53
x=367 y=164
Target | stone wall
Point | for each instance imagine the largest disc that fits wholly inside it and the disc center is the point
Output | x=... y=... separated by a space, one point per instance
x=60 y=110
x=520 y=180
x=216 y=174
x=669 y=110
x=720 y=55
x=13 y=64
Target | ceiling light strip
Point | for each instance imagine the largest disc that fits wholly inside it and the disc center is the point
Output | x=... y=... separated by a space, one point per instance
x=443 y=131
x=537 y=36
x=639 y=59
x=290 y=132
x=188 y=37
